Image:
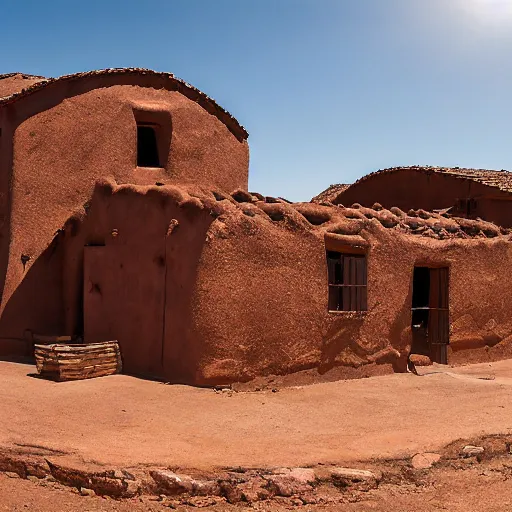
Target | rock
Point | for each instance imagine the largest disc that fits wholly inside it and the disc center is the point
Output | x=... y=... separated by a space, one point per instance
x=358 y=478
x=303 y=475
x=472 y=451
x=11 y=474
x=288 y=482
x=253 y=490
x=123 y=474
x=172 y=484
x=419 y=360
x=231 y=492
x=37 y=469
x=425 y=460
x=87 y=492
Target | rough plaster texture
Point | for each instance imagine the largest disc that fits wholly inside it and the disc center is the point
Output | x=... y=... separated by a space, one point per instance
x=57 y=142
x=242 y=283
x=13 y=83
x=430 y=189
x=204 y=287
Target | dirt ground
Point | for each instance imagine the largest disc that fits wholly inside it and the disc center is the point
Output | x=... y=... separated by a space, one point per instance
x=375 y=423
x=477 y=488
x=120 y=420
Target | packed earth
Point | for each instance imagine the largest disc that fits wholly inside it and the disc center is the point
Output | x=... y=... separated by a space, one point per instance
x=120 y=443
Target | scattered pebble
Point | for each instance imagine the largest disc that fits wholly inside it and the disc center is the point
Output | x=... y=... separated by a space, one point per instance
x=472 y=451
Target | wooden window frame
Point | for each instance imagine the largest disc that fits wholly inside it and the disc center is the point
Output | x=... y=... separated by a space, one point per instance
x=347 y=282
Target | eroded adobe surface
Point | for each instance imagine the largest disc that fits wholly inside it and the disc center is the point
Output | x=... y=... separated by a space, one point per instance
x=241 y=285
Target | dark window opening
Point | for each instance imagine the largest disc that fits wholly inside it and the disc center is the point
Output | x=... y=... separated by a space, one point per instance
x=420 y=297
x=466 y=207
x=147 y=147
x=347 y=281
x=421 y=287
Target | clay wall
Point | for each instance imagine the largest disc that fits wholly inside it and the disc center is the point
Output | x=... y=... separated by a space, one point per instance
x=58 y=141
x=410 y=189
x=242 y=290
x=145 y=244
x=274 y=301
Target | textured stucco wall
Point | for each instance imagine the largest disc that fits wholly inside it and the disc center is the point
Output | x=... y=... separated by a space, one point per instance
x=229 y=291
x=274 y=311
x=408 y=189
x=59 y=142
x=244 y=295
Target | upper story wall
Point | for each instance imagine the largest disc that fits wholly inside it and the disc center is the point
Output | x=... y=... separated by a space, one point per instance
x=59 y=137
x=414 y=189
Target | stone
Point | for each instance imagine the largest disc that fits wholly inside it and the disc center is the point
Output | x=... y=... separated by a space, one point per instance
x=361 y=479
x=303 y=475
x=425 y=460
x=87 y=492
x=420 y=360
x=172 y=484
x=289 y=482
x=231 y=492
x=472 y=451
x=11 y=474
x=253 y=490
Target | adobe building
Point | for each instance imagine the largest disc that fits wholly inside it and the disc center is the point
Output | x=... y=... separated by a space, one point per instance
x=126 y=215
x=471 y=193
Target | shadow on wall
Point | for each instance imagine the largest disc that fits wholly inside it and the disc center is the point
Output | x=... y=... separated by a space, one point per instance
x=341 y=347
x=35 y=306
x=400 y=334
x=183 y=346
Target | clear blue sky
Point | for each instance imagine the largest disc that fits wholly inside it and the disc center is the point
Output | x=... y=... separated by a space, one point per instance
x=329 y=90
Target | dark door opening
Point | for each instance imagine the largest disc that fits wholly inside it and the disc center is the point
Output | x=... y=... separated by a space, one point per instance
x=430 y=313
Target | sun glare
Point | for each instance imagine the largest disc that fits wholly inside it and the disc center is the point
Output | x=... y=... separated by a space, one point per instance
x=495 y=11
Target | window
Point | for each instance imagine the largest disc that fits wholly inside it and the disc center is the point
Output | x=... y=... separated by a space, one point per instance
x=347 y=281
x=147 y=146
x=466 y=206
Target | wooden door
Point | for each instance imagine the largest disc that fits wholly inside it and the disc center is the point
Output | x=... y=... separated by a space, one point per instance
x=124 y=297
x=439 y=317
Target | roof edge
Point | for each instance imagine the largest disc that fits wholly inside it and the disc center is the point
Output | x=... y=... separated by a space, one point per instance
x=468 y=173
x=175 y=84
x=23 y=75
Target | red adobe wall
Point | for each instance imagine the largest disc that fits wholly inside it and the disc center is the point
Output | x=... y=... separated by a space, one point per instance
x=269 y=313
x=242 y=287
x=413 y=189
x=243 y=295
x=60 y=140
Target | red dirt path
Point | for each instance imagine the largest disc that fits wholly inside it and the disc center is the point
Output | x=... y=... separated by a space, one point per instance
x=123 y=421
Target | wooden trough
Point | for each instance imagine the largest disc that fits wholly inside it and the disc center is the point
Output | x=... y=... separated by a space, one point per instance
x=74 y=362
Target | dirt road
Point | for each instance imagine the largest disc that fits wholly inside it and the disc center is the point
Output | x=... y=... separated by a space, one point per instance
x=121 y=420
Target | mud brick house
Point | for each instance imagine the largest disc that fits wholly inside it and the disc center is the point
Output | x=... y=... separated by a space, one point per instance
x=125 y=214
x=470 y=193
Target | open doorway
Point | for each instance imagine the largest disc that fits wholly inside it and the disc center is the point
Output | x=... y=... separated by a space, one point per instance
x=430 y=313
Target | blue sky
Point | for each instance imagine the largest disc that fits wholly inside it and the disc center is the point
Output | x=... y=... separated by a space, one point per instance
x=329 y=90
